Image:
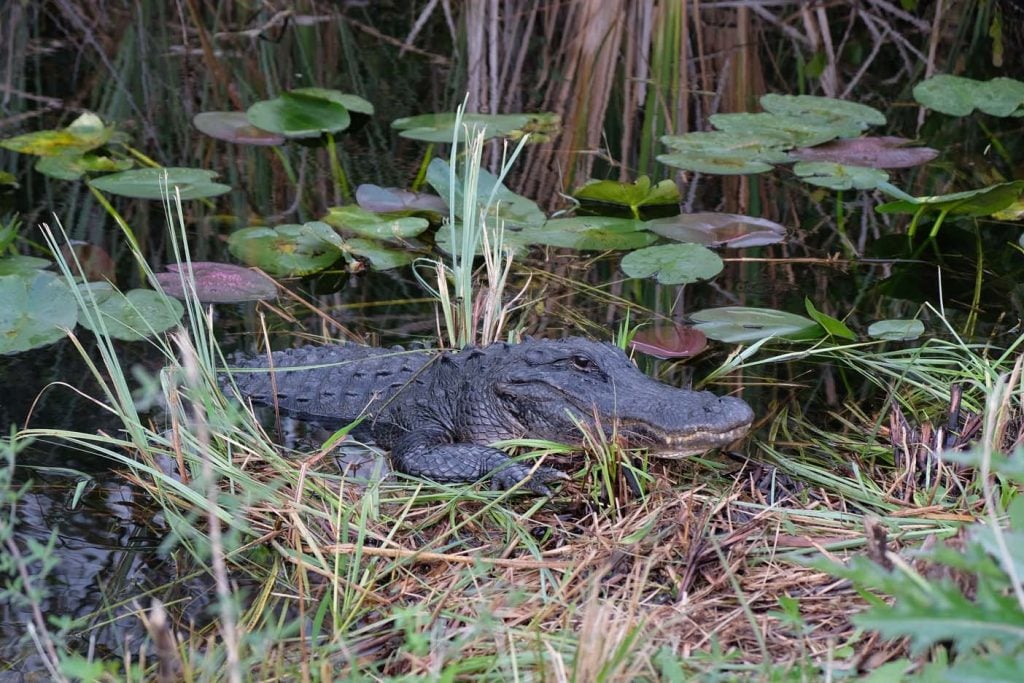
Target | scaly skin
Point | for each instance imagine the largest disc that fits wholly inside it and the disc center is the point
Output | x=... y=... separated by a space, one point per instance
x=438 y=411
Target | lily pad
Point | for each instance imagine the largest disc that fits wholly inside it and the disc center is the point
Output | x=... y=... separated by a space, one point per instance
x=983 y=201
x=216 y=283
x=959 y=96
x=37 y=308
x=839 y=177
x=151 y=183
x=797 y=131
x=505 y=204
x=285 y=250
x=393 y=199
x=440 y=128
x=136 y=315
x=827 y=108
x=630 y=195
x=85 y=133
x=726 y=153
x=669 y=340
x=352 y=219
x=719 y=229
x=875 y=152
x=297 y=115
x=586 y=233
x=380 y=256
x=353 y=103
x=74 y=166
x=234 y=126
x=896 y=330
x=832 y=326
x=739 y=324
x=17 y=264
x=673 y=264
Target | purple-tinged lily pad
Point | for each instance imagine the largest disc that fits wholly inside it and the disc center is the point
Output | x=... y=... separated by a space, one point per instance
x=669 y=340
x=219 y=283
x=234 y=126
x=719 y=229
x=876 y=152
x=389 y=199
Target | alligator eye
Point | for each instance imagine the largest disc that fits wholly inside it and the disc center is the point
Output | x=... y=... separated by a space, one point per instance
x=582 y=363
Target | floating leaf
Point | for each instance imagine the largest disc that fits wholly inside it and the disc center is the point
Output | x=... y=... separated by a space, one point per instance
x=297 y=115
x=719 y=229
x=285 y=250
x=216 y=283
x=353 y=219
x=726 y=153
x=875 y=152
x=673 y=264
x=85 y=133
x=440 y=128
x=631 y=195
x=136 y=315
x=74 y=166
x=959 y=96
x=838 y=176
x=795 y=131
x=980 y=202
x=151 y=183
x=506 y=204
x=825 y=108
x=37 y=308
x=350 y=102
x=896 y=330
x=392 y=199
x=669 y=340
x=234 y=126
x=833 y=326
x=381 y=257
x=8 y=179
x=16 y=264
x=586 y=233
x=737 y=324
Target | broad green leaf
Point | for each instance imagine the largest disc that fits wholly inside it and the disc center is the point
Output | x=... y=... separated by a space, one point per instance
x=504 y=204
x=234 y=126
x=136 y=315
x=840 y=177
x=673 y=264
x=285 y=250
x=352 y=219
x=833 y=326
x=633 y=195
x=727 y=153
x=37 y=308
x=296 y=115
x=896 y=330
x=718 y=164
x=736 y=324
x=959 y=96
x=152 y=183
x=380 y=256
x=74 y=166
x=85 y=133
x=586 y=233
x=17 y=264
x=440 y=128
x=981 y=202
x=827 y=108
x=350 y=102
x=797 y=131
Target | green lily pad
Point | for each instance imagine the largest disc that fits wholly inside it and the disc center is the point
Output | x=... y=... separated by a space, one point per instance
x=673 y=264
x=353 y=219
x=797 y=131
x=8 y=179
x=37 y=308
x=827 y=108
x=632 y=195
x=17 y=264
x=959 y=96
x=839 y=177
x=983 y=201
x=440 y=128
x=719 y=229
x=504 y=203
x=586 y=233
x=151 y=183
x=738 y=324
x=833 y=326
x=353 y=103
x=85 y=133
x=234 y=126
x=218 y=283
x=287 y=249
x=380 y=256
x=726 y=153
x=74 y=166
x=896 y=330
x=298 y=115
x=136 y=315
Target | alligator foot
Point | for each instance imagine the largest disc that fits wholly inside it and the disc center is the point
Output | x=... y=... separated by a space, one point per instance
x=508 y=475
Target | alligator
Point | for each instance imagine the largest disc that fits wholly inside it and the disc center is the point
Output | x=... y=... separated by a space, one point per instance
x=438 y=411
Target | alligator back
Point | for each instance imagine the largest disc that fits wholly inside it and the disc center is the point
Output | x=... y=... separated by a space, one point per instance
x=331 y=383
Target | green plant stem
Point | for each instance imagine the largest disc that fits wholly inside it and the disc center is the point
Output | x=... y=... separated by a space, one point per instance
x=340 y=179
x=121 y=222
x=421 y=173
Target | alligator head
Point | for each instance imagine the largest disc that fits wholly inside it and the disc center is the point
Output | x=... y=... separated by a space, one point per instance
x=551 y=388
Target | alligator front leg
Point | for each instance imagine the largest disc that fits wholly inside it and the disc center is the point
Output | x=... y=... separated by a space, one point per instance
x=431 y=455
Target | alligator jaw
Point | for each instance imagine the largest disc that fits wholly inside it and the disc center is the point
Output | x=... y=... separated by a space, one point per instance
x=680 y=445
